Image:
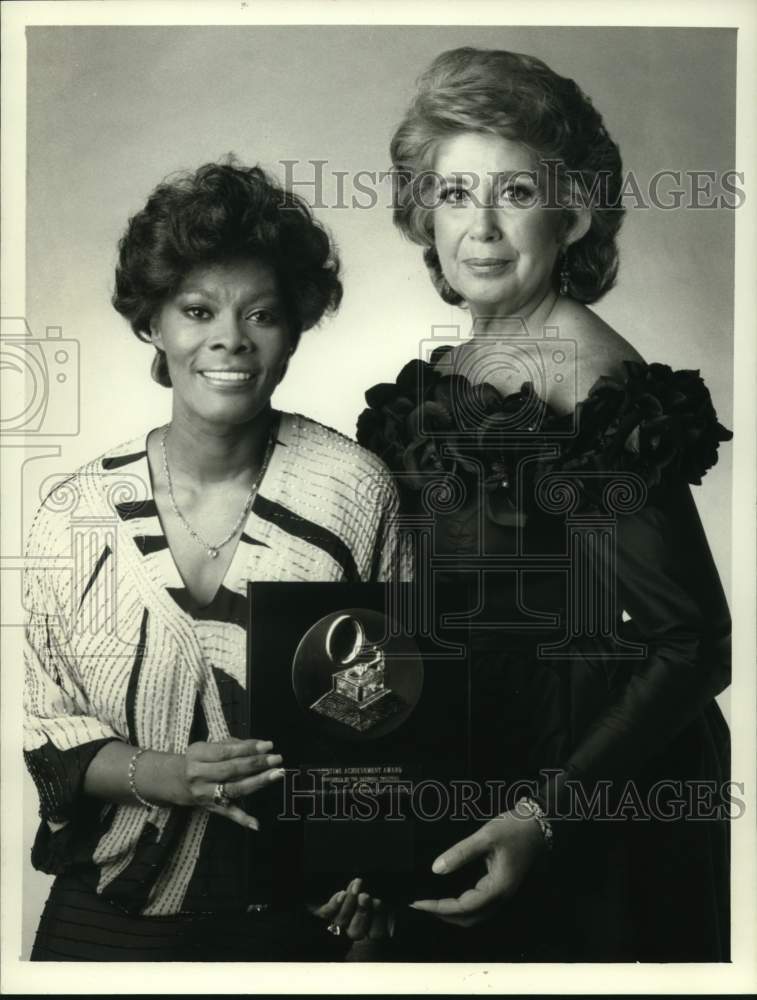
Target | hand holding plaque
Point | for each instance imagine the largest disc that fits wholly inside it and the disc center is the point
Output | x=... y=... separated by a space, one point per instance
x=352 y=687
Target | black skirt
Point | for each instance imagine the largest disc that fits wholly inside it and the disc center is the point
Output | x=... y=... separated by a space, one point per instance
x=77 y=925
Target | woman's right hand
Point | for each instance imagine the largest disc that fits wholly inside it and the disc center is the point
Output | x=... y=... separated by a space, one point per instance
x=242 y=767
x=191 y=778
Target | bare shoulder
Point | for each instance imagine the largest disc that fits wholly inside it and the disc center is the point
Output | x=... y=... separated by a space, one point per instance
x=599 y=349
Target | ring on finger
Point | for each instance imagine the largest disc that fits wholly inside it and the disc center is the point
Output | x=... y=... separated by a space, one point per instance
x=334 y=929
x=220 y=796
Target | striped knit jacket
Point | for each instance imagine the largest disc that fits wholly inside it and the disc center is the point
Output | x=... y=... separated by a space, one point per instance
x=118 y=650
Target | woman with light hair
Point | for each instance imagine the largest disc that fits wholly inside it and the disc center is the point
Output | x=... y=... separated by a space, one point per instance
x=601 y=633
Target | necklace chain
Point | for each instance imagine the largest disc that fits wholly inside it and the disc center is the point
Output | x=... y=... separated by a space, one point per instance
x=212 y=550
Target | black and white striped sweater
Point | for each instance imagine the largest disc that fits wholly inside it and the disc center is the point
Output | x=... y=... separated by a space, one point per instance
x=117 y=649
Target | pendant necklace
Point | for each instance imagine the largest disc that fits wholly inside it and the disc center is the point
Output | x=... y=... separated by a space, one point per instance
x=213 y=550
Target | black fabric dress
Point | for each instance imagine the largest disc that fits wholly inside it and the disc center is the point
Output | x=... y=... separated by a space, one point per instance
x=600 y=642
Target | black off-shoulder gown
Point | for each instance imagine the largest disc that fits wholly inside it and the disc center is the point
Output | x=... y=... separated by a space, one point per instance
x=603 y=536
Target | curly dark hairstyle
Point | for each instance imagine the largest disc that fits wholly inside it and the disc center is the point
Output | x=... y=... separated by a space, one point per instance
x=224 y=211
x=520 y=98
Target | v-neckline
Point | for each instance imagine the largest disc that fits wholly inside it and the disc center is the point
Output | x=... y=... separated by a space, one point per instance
x=190 y=602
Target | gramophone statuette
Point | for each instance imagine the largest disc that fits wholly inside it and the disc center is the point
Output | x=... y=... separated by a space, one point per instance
x=359 y=695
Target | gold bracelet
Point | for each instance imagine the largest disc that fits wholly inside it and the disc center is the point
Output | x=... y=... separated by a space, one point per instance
x=133 y=780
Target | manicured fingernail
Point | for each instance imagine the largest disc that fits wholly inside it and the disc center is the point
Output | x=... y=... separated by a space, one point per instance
x=278 y=773
x=253 y=824
x=363 y=900
x=339 y=896
x=355 y=886
x=273 y=759
x=439 y=867
x=263 y=746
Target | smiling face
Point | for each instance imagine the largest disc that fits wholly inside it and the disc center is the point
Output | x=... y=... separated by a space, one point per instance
x=497 y=242
x=226 y=342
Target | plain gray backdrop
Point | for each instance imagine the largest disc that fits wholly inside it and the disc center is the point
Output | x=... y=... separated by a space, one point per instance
x=112 y=110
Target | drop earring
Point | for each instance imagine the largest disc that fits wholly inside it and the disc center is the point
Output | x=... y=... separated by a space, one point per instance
x=564 y=272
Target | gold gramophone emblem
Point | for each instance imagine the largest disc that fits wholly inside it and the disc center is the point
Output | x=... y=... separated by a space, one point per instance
x=359 y=696
x=363 y=679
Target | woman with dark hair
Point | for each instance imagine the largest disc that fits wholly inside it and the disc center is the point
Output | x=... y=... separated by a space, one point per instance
x=556 y=464
x=135 y=675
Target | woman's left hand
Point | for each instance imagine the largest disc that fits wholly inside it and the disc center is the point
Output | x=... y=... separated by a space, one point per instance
x=509 y=844
x=356 y=914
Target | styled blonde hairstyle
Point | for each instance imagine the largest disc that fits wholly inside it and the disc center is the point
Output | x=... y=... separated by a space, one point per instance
x=519 y=98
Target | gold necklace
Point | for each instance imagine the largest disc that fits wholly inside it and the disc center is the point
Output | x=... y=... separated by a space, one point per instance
x=212 y=550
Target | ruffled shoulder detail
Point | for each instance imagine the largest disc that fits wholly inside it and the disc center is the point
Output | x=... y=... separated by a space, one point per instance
x=655 y=422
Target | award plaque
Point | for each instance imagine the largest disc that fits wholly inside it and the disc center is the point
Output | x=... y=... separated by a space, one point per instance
x=364 y=689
